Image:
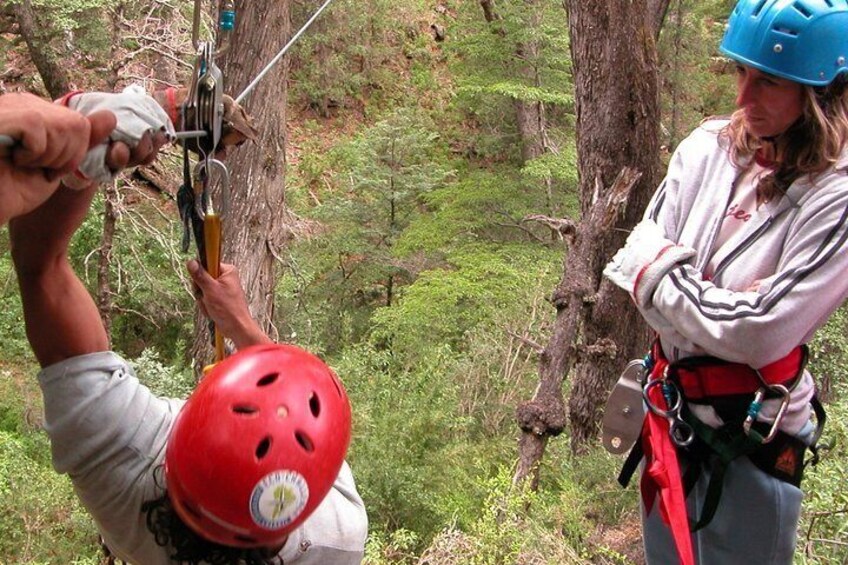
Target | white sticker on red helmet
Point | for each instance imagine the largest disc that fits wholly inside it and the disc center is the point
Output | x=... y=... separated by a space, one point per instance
x=278 y=499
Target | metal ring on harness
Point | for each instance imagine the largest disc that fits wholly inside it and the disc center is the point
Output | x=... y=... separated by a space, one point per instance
x=673 y=410
x=682 y=434
x=202 y=200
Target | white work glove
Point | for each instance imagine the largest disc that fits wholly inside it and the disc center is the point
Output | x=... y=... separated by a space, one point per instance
x=136 y=113
x=645 y=258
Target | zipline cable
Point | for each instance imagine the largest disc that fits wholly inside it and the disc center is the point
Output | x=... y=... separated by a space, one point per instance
x=282 y=52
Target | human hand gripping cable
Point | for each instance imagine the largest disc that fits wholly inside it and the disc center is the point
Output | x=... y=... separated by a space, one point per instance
x=140 y=120
x=646 y=257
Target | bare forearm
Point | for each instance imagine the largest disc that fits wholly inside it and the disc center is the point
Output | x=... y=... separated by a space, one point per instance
x=248 y=333
x=61 y=318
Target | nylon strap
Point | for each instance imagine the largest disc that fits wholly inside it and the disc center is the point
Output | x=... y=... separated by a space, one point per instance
x=661 y=478
x=701 y=378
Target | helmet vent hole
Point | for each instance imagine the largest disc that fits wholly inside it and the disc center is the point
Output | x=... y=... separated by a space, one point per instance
x=758 y=8
x=314 y=405
x=803 y=10
x=304 y=441
x=786 y=31
x=245 y=409
x=263 y=447
x=267 y=379
x=245 y=539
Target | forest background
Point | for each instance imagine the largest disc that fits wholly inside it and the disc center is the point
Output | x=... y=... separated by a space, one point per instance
x=411 y=264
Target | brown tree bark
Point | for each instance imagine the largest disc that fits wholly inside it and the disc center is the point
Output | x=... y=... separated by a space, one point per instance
x=256 y=226
x=613 y=54
x=52 y=73
x=104 y=260
x=618 y=121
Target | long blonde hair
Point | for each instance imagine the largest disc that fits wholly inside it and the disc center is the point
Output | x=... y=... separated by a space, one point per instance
x=810 y=146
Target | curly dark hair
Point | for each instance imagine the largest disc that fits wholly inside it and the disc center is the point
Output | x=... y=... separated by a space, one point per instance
x=189 y=548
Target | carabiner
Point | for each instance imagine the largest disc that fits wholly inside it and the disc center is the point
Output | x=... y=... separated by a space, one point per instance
x=203 y=202
x=754 y=410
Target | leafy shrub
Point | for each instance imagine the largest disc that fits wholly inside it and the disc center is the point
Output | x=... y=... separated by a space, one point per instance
x=163 y=380
x=41 y=520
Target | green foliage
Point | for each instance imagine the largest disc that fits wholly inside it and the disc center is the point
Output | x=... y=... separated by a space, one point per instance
x=443 y=305
x=406 y=420
x=824 y=521
x=522 y=56
x=385 y=173
x=40 y=519
x=11 y=314
x=151 y=305
x=824 y=525
x=163 y=380
x=696 y=81
x=358 y=49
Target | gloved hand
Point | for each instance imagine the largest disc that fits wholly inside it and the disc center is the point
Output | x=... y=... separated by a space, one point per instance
x=645 y=258
x=136 y=113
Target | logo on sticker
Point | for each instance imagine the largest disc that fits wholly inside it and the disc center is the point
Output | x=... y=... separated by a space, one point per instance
x=278 y=499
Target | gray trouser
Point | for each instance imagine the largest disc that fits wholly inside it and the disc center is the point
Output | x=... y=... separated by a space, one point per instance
x=756 y=521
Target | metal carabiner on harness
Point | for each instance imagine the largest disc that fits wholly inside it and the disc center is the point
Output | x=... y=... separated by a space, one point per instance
x=680 y=431
x=203 y=204
x=757 y=404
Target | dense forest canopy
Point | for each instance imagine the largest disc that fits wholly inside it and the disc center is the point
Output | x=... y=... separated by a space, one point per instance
x=429 y=165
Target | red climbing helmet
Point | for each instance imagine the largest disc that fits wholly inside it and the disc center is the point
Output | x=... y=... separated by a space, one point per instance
x=257 y=446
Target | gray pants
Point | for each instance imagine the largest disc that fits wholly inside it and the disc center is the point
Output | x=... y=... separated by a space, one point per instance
x=756 y=521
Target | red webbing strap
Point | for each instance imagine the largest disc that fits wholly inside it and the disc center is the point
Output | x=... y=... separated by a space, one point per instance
x=171 y=103
x=710 y=380
x=661 y=477
x=63 y=101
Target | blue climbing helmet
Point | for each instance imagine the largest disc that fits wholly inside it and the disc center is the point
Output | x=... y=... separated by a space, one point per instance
x=801 y=40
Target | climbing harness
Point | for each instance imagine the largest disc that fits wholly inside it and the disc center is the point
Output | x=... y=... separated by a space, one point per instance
x=672 y=434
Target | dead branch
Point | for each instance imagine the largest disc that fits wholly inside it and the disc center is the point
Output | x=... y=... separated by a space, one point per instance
x=527 y=341
x=563 y=227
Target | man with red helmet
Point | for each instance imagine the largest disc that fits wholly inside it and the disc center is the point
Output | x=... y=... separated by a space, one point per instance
x=249 y=470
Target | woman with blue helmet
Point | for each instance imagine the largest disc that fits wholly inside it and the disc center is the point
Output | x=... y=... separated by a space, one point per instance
x=739 y=259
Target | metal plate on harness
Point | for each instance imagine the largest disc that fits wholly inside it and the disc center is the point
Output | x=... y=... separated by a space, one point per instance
x=624 y=410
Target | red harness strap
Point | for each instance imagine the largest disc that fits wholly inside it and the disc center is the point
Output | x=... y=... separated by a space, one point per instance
x=662 y=471
x=708 y=377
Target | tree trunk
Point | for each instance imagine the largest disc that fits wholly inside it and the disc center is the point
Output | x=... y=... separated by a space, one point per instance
x=618 y=118
x=52 y=73
x=256 y=226
x=596 y=329
x=529 y=116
